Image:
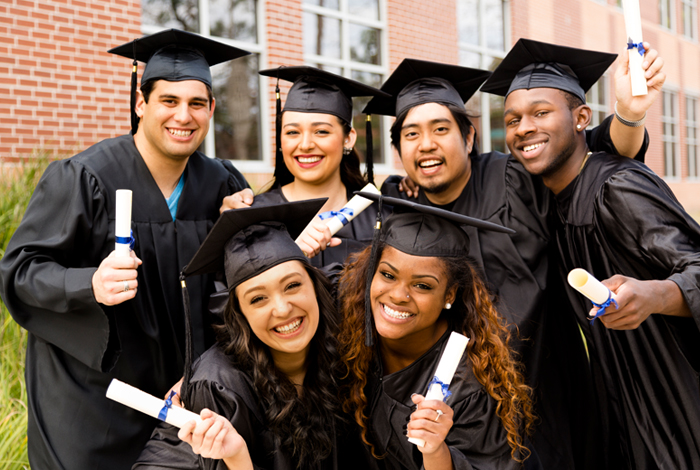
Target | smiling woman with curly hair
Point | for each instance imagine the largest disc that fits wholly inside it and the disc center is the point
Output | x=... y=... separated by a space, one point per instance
x=423 y=286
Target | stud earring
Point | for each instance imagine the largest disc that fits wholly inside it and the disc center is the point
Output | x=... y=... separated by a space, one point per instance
x=347 y=150
x=578 y=126
x=448 y=306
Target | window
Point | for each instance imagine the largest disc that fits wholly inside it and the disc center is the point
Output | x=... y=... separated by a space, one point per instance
x=691 y=140
x=482 y=40
x=236 y=129
x=666 y=13
x=597 y=99
x=347 y=37
x=689 y=18
x=670 y=138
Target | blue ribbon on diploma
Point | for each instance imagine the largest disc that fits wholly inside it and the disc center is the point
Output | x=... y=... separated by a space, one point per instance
x=637 y=45
x=168 y=404
x=603 y=306
x=127 y=240
x=445 y=388
x=339 y=214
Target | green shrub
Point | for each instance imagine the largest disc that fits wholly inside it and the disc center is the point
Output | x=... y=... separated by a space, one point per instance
x=16 y=186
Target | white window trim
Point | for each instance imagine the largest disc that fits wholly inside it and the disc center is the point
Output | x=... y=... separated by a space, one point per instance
x=597 y=107
x=693 y=96
x=693 y=19
x=671 y=14
x=675 y=120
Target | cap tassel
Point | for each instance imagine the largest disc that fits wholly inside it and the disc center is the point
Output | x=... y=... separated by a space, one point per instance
x=189 y=355
x=132 y=103
x=369 y=340
x=282 y=174
x=369 y=155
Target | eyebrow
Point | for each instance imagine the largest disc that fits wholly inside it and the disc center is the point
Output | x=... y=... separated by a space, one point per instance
x=415 y=276
x=175 y=97
x=534 y=103
x=434 y=121
x=262 y=287
x=319 y=123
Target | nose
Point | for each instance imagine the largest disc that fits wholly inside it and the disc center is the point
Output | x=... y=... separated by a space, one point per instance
x=182 y=113
x=281 y=307
x=307 y=141
x=427 y=143
x=525 y=126
x=399 y=293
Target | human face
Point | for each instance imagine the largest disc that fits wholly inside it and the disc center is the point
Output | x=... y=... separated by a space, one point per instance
x=312 y=146
x=433 y=152
x=541 y=132
x=408 y=294
x=175 y=120
x=281 y=308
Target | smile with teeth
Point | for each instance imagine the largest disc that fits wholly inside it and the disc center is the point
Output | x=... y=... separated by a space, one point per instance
x=395 y=313
x=290 y=327
x=181 y=132
x=429 y=163
x=310 y=159
x=529 y=148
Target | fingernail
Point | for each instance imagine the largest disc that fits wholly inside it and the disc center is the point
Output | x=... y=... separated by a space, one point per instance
x=413 y=395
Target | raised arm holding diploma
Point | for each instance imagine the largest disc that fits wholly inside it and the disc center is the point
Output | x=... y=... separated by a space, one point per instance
x=633 y=25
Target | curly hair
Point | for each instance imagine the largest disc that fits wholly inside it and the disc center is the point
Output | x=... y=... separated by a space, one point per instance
x=299 y=422
x=474 y=316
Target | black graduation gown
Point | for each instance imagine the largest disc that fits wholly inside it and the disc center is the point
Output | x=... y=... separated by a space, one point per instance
x=477 y=439
x=76 y=346
x=355 y=236
x=618 y=217
x=217 y=385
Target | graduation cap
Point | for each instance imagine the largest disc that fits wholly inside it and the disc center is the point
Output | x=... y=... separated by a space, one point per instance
x=418 y=230
x=317 y=91
x=244 y=243
x=416 y=82
x=534 y=64
x=174 y=55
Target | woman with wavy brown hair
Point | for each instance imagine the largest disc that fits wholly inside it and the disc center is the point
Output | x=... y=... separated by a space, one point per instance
x=405 y=299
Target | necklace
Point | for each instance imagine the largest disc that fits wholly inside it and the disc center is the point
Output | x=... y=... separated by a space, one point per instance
x=583 y=163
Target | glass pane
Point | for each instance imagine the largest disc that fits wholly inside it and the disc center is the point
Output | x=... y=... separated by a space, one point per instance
x=330 y=68
x=321 y=35
x=359 y=120
x=237 y=112
x=324 y=3
x=233 y=19
x=180 y=14
x=364 y=44
x=474 y=111
x=493 y=18
x=498 y=130
x=469 y=59
x=368 y=9
x=468 y=21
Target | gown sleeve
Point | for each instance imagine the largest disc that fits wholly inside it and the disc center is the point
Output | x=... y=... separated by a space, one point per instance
x=46 y=273
x=645 y=224
x=598 y=140
x=477 y=439
x=236 y=180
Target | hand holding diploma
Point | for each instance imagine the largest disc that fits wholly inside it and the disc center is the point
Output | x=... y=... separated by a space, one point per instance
x=430 y=423
x=629 y=106
x=115 y=281
x=633 y=26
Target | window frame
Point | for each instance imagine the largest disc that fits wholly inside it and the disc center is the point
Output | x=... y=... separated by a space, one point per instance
x=694 y=97
x=674 y=140
x=693 y=6
x=667 y=15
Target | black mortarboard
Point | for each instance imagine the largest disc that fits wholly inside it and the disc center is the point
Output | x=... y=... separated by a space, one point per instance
x=418 y=230
x=534 y=64
x=244 y=243
x=416 y=82
x=317 y=91
x=174 y=55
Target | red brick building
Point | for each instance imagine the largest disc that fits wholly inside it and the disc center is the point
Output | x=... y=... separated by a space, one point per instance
x=62 y=92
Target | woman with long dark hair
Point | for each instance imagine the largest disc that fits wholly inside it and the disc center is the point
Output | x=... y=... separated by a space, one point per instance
x=267 y=391
x=422 y=286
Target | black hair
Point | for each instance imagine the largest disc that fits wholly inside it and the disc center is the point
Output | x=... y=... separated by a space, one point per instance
x=572 y=100
x=460 y=115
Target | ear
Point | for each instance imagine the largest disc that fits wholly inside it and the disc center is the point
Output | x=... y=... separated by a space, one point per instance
x=140 y=105
x=213 y=105
x=451 y=295
x=350 y=139
x=469 y=144
x=582 y=117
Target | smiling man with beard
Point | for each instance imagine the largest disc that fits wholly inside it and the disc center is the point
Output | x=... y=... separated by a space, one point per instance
x=617 y=219
x=436 y=141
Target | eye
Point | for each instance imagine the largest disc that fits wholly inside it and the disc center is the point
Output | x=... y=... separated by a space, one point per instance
x=442 y=129
x=256 y=299
x=387 y=275
x=322 y=132
x=292 y=286
x=541 y=113
x=512 y=122
x=424 y=286
x=291 y=132
x=410 y=135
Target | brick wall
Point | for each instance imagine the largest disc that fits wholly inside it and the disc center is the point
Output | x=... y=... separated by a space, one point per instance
x=60 y=90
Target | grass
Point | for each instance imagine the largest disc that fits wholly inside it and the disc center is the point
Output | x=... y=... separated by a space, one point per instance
x=16 y=186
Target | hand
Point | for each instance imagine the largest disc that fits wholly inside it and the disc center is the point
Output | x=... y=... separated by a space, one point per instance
x=423 y=423
x=407 y=186
x=176 y=398
x=636 y=300
x=631 y=107
x=113 y=275
x=239 y=200
x=214 y=437
x=316 y=237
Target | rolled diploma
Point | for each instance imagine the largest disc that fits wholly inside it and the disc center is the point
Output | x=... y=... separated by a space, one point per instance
x=633 y=25
x=356 y=204
x=582 y=281
x=445 y=371
x=122 y=223
x=148 y=404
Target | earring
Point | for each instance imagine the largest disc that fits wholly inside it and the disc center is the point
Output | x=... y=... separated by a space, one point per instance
x=448 y=306
x=347 y=150
x=578 y=126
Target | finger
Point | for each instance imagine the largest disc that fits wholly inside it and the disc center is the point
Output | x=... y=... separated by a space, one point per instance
x=335 y=242
x=654 y=68
x=417 y=398
x=210 y=435
x=248 y=196
x=649 y=57
x=657 y=80
x=185 y=432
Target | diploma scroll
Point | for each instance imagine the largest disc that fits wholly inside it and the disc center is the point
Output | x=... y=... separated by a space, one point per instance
x=148 y=404
x=592 y=288
x=444 y=373
x=633 y=25
x=122 y=224
x=337 y=219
